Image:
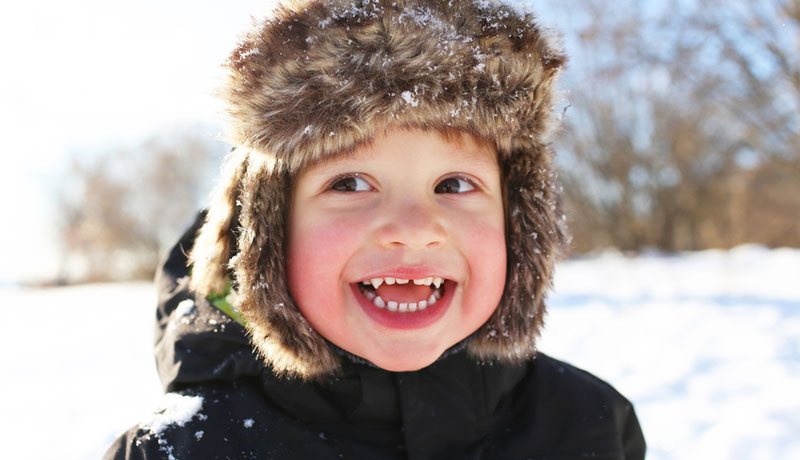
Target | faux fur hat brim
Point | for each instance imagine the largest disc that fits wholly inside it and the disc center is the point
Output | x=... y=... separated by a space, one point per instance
x=322 y=77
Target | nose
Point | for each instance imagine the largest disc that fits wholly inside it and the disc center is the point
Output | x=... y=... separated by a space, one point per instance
x=412 y=225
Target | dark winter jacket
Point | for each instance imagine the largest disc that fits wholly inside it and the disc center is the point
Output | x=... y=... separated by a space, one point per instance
x=225 y=404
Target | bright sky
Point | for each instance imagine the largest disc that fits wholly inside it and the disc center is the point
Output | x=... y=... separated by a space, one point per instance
x=82 y=75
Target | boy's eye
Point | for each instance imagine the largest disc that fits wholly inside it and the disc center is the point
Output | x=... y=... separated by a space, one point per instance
x=454 y=185
x=350 y=184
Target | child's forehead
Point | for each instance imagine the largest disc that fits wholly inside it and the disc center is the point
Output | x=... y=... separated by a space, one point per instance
x=458 y=146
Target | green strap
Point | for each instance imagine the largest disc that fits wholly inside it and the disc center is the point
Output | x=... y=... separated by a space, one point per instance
x=223 y=304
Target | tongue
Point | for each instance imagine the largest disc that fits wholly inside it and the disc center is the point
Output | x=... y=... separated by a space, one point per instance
x=404 y=292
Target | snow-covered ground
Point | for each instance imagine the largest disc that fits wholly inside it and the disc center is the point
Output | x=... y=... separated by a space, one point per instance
x=706 y=345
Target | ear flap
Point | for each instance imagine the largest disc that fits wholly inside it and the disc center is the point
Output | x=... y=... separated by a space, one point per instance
x=213 y=247
x=282 y=335
x=536 y=240
x=536 y=231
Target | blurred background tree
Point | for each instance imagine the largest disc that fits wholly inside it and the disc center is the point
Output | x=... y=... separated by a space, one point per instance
x=122 y=209
x=683 y=129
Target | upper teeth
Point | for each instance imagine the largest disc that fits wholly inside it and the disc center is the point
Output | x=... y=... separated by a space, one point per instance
x=375 y=282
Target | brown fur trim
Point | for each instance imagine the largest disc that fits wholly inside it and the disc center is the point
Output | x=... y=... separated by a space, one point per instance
x=324 y=76
x=213 y=246
x=278 y=329
x=535 y=239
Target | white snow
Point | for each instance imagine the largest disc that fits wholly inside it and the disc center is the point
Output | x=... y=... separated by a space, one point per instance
x=77 y=368
x=706 y=345
x=248 y=423
x=174 y=409
x=408 y=96
x=185 y=307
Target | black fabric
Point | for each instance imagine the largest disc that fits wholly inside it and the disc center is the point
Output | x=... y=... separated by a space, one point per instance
x=452 y=409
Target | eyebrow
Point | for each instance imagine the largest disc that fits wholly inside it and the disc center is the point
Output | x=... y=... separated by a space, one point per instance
x=473 y=152
x=323 y=167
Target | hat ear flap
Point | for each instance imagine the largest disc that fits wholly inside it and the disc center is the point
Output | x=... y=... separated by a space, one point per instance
x=536 y=240
x=214 y=246
x=282 y=335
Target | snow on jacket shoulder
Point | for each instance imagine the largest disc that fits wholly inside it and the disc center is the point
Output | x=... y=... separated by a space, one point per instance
x=223 y=403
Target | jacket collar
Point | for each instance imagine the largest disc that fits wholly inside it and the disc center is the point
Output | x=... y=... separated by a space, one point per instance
x=452 y=402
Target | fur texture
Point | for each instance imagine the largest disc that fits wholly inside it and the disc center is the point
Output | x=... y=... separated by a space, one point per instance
x=322 y=77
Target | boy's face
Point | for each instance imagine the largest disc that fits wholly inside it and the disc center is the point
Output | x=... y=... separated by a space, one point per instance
x=410 y=206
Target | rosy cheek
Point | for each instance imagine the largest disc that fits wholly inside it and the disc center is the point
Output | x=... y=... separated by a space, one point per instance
x=317 y=254
x=487 y=260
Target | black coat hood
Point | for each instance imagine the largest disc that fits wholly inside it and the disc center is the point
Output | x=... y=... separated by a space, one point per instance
x=454 y=408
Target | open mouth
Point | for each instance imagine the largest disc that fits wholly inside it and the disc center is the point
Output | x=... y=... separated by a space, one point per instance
x=399 y=295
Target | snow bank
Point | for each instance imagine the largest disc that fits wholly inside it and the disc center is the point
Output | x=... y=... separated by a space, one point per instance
x=77 y=367
x=706 y=345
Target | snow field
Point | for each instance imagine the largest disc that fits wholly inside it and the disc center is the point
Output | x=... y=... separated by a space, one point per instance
x=706 y=345
x=77 y=368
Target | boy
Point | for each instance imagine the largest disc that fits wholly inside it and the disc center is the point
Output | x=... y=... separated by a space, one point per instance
x=383 y=238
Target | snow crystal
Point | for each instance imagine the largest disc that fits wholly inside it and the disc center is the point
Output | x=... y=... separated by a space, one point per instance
x=420 y=15
x=168 y=449
x=408 y=96
x=198 y=435
x=427 y=20
x=249 y=52
x=248 y=423
x=185 y=308
x=175 y=409
x=307 y=130
x=353 y=12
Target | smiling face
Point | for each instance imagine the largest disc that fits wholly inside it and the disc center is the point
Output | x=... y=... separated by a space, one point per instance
x=397 y=251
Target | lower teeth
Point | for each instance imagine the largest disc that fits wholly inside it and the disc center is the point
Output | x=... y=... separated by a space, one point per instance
x=401 y=307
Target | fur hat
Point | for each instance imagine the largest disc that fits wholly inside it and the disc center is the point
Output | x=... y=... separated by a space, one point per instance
x=322 y=77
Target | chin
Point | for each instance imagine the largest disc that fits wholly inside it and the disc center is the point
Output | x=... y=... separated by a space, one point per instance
x=407 y=361
x=404 y=366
